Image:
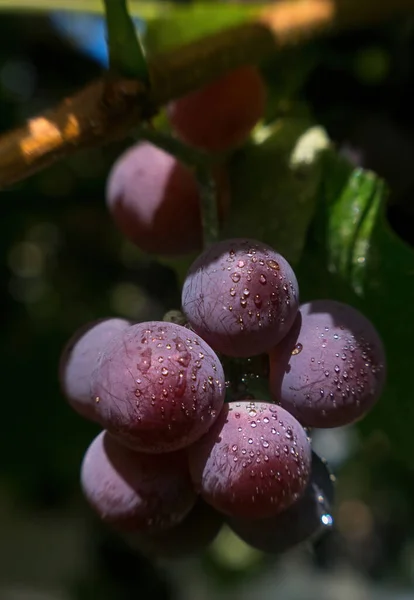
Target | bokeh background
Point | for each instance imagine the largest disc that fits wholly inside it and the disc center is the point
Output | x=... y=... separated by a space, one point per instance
x=63 y=264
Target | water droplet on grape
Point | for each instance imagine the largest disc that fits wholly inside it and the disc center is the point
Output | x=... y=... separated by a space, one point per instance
x=273 y=265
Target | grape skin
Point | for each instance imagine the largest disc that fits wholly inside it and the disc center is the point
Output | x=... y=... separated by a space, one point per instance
x=197 y=531
x=79 y=358
x=136 y=492
x=158 y=387
x=241 y=297
x=300 y=522
x=254 y=462
x=154 y=200
x=221 y=114
x=330 y=369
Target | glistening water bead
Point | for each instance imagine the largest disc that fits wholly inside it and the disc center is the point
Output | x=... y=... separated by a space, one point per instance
x=330 y=368
x=241 y=296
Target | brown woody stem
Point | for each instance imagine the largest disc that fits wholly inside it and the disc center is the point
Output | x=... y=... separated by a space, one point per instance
x=108 y=109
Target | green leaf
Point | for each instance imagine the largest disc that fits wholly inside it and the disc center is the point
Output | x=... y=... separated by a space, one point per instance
x=360 y=249
x=274 y=184
x=126 y=56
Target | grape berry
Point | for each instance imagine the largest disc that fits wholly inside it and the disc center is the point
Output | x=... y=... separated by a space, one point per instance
x=221 y=114
x=241 y=297
x=329 y=370
x=154 y=200
x=136 y=492
x=306 y=519
x=253 y=462
x=79 y=359
x=158 y=387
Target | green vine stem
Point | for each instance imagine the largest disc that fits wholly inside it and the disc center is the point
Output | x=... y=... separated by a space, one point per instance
x=209 y=205
x=203 y=166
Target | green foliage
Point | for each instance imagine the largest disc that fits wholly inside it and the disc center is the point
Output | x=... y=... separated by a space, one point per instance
x=356 y=249
x=274 y=184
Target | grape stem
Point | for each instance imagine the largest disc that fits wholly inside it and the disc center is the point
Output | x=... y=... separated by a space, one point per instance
x=108 y=109
x=202 y=164
x=208 y=200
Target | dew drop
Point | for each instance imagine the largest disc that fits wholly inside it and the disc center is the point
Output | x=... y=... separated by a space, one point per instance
x=262 y=279
x=289 y=434
x=258 y=300
x=273 y=265
x=297 y=349
x=235 y=277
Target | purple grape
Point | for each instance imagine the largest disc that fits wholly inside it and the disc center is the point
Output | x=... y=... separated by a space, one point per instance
x=330 y=369
x=241 y=297
x=306 y=519
x=191 y=536
x=136 y=492
x=79 y=359
x=158 y=387
x=155 y=202
x=254 y=462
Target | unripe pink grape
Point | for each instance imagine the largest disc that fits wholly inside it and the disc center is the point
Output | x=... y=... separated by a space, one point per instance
x=154 y=200
x=254 y=462
x=158 y=387
x=79 y=359
x=136 y=492
x=330 y=369
x=221 y=114
x=241 y=296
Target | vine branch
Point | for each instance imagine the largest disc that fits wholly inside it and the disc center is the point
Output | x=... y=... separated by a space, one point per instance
x=110 y=108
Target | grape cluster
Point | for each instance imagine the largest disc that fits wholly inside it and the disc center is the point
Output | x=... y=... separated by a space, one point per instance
x=182 y=452
x=176 y=451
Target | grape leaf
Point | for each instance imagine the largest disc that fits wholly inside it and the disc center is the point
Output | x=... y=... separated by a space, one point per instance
x=360 y=249
x=274 y=183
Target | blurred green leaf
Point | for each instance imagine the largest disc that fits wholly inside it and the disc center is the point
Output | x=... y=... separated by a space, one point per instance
x=274 y=183
x=360 y=248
